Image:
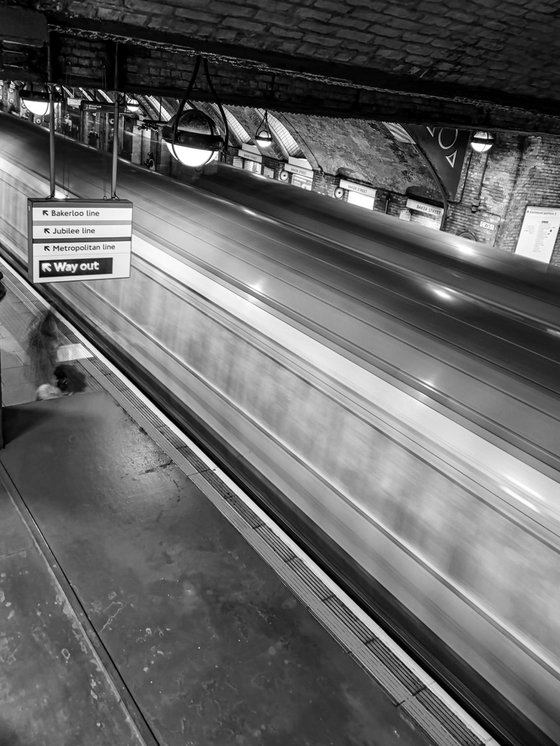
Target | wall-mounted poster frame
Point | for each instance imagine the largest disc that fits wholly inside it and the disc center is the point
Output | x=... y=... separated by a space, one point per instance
x=538 y=233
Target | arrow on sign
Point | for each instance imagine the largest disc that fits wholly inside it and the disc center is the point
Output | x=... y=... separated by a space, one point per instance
x=47 y=230
x=45 y=212
x=47 y=266
x=46 y=248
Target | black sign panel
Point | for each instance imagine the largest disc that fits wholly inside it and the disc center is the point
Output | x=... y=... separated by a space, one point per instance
x=76 y=267
x=87 y=106
x=445 y=148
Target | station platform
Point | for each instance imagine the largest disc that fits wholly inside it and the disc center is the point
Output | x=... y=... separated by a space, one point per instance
x=132 y=611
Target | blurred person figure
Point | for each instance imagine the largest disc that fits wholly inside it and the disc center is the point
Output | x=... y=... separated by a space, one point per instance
x=69 y=380
x=150 y=161
x=43 y=340
x=47 y=391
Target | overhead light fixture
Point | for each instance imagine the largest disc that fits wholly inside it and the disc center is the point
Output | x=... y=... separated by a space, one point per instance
x=263 y=137
x=132 y=107
x=193 y=138
x=35 y=100
x=482 y=142
x=191 y=135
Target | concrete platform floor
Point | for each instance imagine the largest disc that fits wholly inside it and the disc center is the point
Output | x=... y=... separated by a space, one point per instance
x=53 y=688
x=212 y=647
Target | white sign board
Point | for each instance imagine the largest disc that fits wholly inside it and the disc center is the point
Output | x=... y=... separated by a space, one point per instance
x=248 y=155
x=435 y=212
x=359 y=188
x=78 y=239
x=538 y=233
x=307 y=172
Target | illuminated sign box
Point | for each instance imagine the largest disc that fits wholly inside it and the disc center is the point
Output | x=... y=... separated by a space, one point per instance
x=78 y=239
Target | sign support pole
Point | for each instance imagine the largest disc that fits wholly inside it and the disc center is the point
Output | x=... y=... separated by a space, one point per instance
x=51 y=119
x=115 y=128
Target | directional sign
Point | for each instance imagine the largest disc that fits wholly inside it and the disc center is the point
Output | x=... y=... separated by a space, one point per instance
x=79 y=239
x=65 y=231
x=103 y=214
x=75 y=267
x=105 y=246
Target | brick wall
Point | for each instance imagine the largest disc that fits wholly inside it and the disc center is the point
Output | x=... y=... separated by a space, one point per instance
x=497 y=187
x=487 y=184
x=538 y=184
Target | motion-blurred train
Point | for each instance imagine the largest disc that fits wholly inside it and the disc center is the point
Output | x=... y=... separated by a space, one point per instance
x=388 y=392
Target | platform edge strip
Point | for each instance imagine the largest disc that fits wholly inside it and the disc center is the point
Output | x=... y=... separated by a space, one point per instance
x=441 y=725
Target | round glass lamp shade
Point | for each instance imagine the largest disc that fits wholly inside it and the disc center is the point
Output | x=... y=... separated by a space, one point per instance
x=36 y=104
x=482 y=142
x=196 y=141
x=263 y=138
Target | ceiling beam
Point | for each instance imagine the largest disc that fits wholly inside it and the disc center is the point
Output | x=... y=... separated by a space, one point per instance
x=22 y=26
x=330 y=72
x=160 y=63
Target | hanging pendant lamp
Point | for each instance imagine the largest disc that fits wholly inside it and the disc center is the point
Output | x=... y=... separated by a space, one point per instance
x=263 y=136
x=35 y=100
x=192 y=136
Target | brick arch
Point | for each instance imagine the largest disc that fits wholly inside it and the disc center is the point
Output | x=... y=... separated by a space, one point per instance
x=306 y=147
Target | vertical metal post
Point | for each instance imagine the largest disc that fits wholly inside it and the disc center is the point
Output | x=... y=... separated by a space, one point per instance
x=51 y=118
x=2 y=296
x=1 y=412
x=115 y=128
x=476 y=203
